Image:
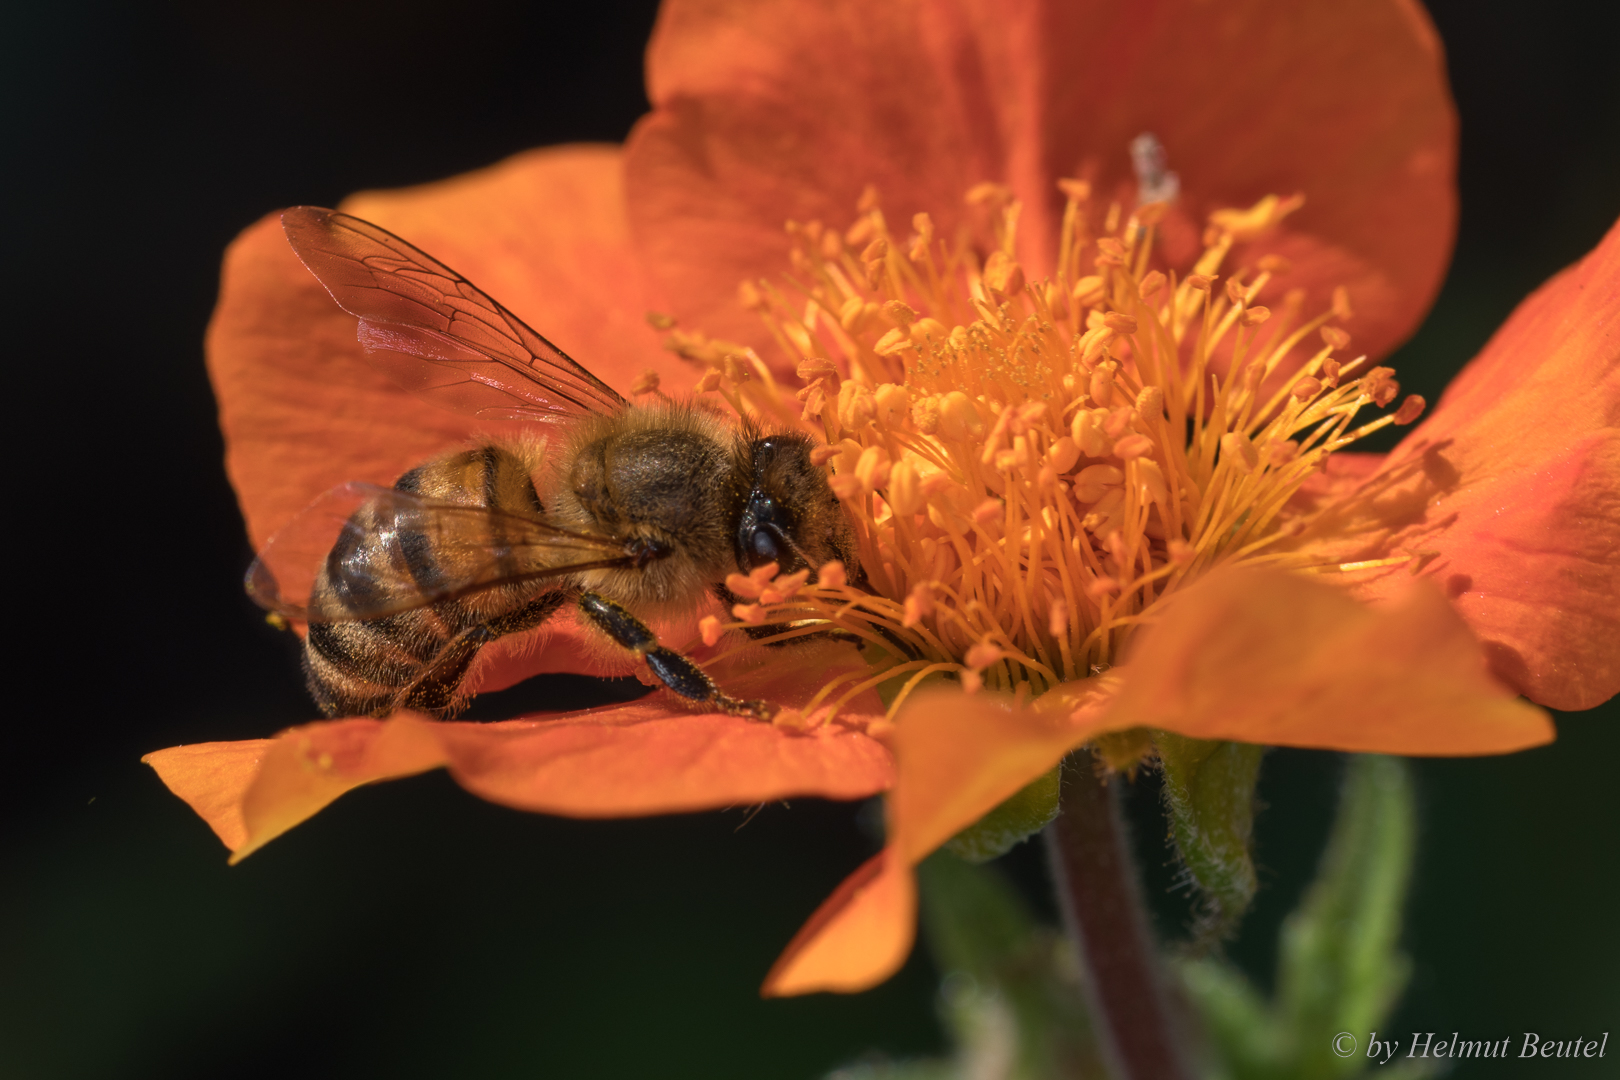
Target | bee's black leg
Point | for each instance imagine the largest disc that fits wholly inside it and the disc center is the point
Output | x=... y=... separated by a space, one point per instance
x=437 y=690
x=672 y=669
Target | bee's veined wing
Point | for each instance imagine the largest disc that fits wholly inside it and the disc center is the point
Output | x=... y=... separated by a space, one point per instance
x=385 y=551
x=434 y=332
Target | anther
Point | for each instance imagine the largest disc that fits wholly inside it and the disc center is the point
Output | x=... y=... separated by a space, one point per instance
x=873 y=468
x=1057 y=618
x=1410 y=410
x=1238 y=449
x=1088 y=291
x=1150 y=402
x=1133 y=446
x=981 y=654
x=1062 y=454
x=1074 y=190
x=893 y=402
x=987 y=512
x=1003 y=275
x=1341 y=305
x=645 y=383
x=1101 y=588
x=1119 y=421
x=905 y=488
x=919 y=605
x=1281 y=453
x=1094 y=480
x=1255 y=316
x=1306 y=388
x=900 y=314
x=1102 y=386
x=831 y=575
x=1379 y=385
x=817 y=367
x=1335 y=338
x=710 y=630
x=1151 y=285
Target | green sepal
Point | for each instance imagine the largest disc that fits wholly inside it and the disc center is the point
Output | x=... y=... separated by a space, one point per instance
x=1027 y=812
x=1209 y=798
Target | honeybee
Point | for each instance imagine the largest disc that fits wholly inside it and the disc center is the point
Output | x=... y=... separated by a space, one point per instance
x=640 y=509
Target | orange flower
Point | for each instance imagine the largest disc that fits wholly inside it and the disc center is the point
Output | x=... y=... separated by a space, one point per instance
x=788 y=111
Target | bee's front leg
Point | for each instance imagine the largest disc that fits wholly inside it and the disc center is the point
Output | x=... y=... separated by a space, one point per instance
x=672 y=669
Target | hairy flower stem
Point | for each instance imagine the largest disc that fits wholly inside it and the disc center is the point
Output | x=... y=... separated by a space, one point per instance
x=1102 y=911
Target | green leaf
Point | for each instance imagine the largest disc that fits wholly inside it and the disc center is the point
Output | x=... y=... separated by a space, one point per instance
x=1340 y=966
x=1236 y=1017
x=1023 y=815
x=1011 y=994
x=1209 y=795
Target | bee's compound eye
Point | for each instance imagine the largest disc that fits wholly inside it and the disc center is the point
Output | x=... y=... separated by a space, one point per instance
x=763 y=548
x=759 y=534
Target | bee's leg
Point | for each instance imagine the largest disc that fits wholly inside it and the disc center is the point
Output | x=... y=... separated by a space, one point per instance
x=438 y=689
x=672 y=669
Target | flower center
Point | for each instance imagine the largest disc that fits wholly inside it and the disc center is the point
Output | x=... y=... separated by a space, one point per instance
x=1031 y=466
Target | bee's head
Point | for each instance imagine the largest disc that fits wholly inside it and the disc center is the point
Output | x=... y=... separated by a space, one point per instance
x=790 y=517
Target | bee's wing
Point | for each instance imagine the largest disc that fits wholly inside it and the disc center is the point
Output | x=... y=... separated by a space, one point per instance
x=362 y=551
x=433 y=332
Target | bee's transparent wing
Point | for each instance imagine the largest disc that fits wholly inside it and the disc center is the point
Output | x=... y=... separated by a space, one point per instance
x=434 y=332
x=361 y=551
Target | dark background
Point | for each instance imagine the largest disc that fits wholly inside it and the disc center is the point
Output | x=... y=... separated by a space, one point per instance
x=412 y=930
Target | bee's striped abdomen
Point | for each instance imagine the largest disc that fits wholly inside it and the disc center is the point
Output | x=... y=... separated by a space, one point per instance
x=415 y=657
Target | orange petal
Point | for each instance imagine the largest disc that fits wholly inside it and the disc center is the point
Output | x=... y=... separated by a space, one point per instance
x=1509 y=495
x=1269 y=657
x=619 y=761
x=783 y=110
x=857 y=938
x=211 y=778
x=957 y=757
x=1345 y=103
x=302 y=411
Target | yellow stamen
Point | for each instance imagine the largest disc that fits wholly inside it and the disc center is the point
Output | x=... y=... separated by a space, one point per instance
x=1031 y=466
